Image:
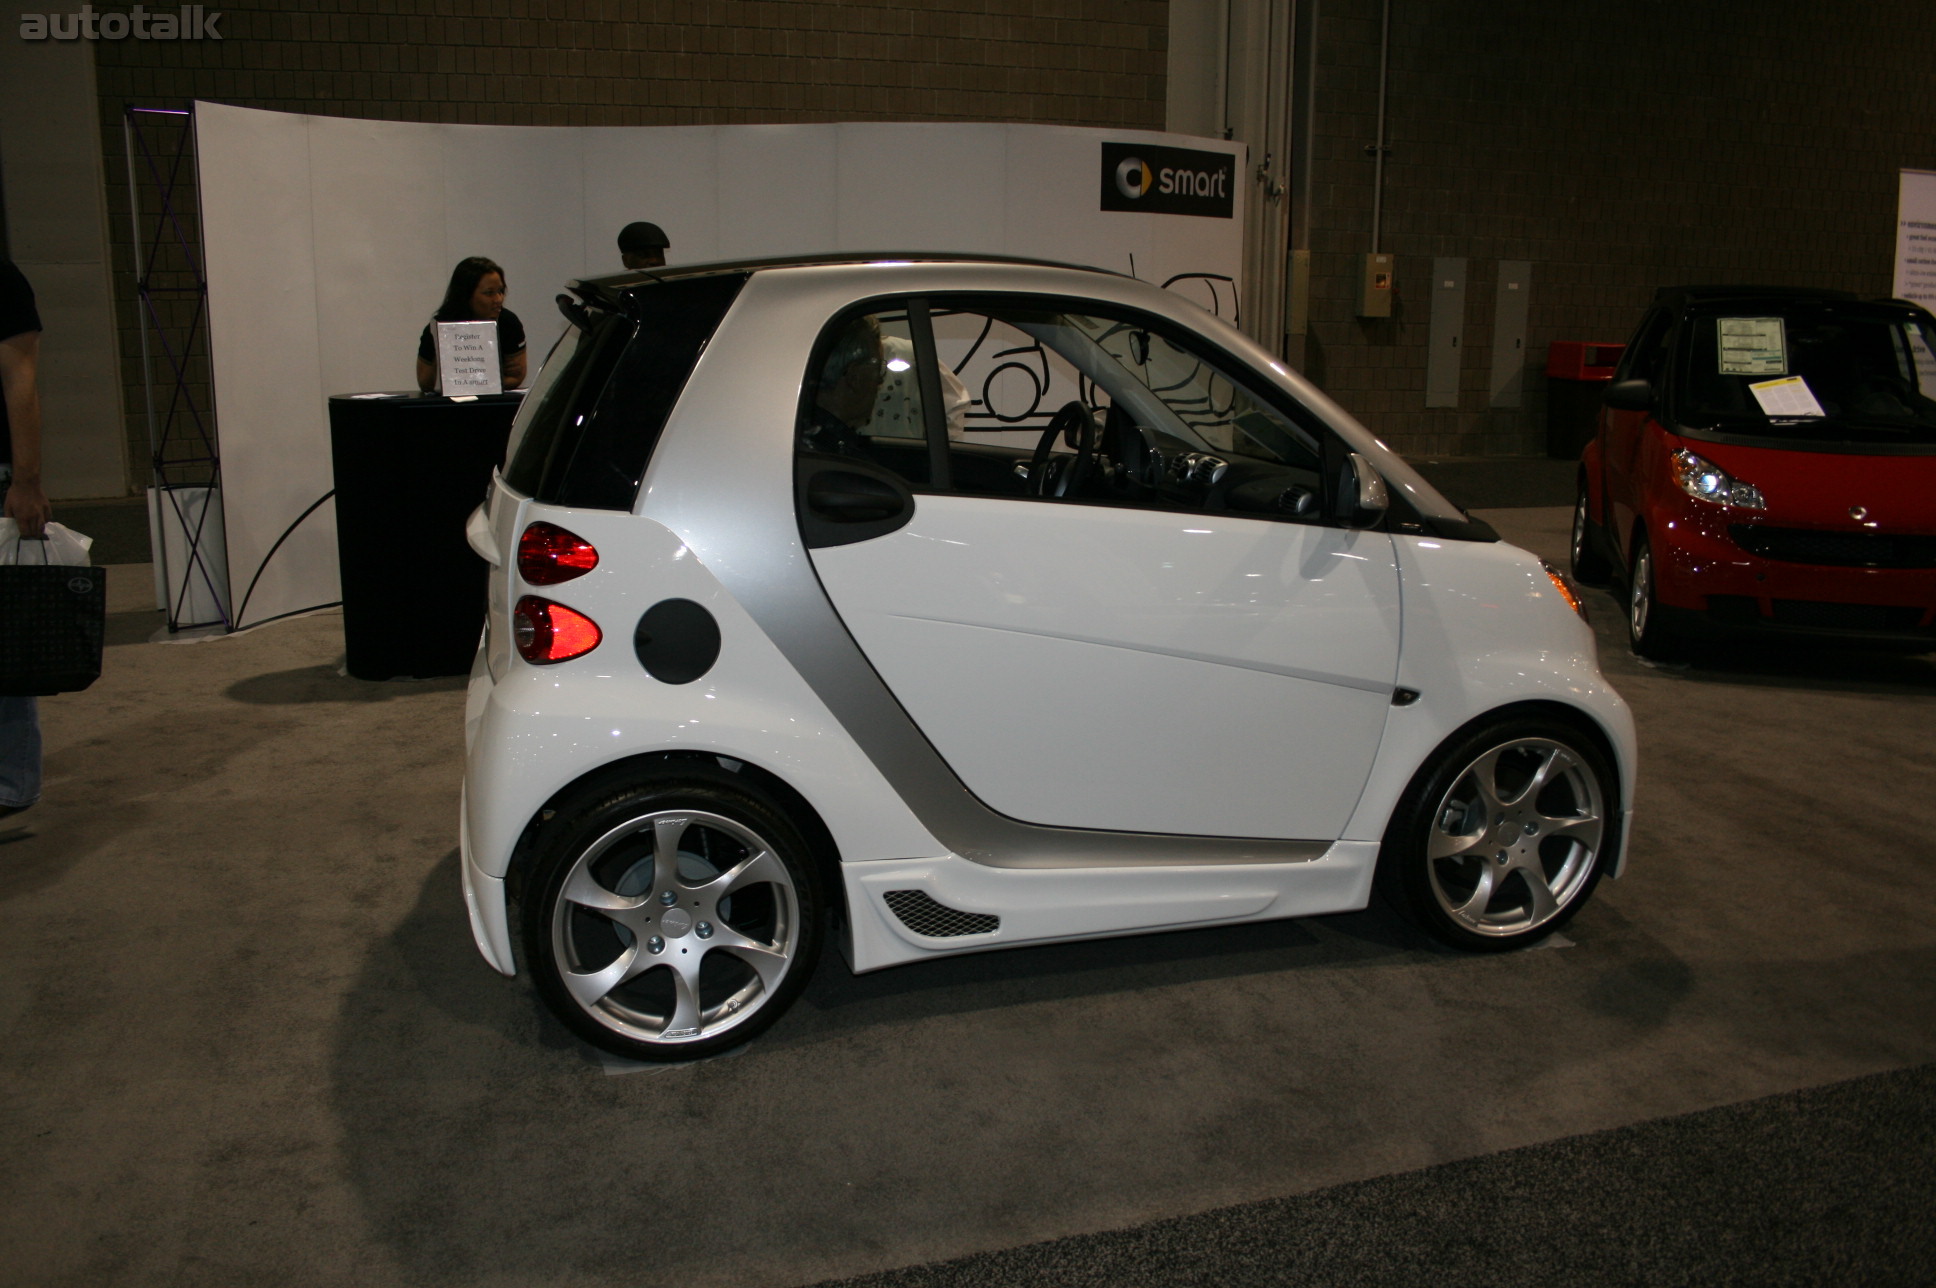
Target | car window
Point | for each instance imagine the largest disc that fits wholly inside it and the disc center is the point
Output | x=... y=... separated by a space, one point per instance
x=594 y=414
x=1046 y=402
x=582 y=357
x=1643 y=358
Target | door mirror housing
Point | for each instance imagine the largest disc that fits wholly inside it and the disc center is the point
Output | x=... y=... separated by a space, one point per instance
x=1630 y=395
x=1362 y=498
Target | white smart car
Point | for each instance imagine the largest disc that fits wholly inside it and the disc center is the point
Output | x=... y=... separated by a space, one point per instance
x=935 y=604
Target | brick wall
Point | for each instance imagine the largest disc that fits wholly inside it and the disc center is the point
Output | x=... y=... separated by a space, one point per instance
x=1619 y=149
x=1659 y=143
x=623 y=62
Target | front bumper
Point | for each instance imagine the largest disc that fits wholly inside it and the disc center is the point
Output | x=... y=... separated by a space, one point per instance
x=1708 y=583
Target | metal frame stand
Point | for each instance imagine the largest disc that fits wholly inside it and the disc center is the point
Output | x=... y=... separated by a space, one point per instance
x=171 y=295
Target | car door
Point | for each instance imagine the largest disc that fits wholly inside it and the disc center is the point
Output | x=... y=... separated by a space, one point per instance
x=1625 y=432
x=1135 y=652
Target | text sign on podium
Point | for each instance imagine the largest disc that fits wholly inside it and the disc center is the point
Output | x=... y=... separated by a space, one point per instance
x=467 y=358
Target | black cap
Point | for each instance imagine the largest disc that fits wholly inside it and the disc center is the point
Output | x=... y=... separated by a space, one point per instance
x=635 y=238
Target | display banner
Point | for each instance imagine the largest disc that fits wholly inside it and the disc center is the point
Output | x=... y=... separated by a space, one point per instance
x=1916 y=253
x=1916 y=238
x=329 y=243
x=1140 y=179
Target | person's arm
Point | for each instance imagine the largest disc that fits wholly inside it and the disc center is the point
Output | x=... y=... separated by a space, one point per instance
x=511 y=370
x=426 y=375
x=26 y=501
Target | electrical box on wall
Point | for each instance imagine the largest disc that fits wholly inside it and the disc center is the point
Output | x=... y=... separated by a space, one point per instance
x=1375 y=300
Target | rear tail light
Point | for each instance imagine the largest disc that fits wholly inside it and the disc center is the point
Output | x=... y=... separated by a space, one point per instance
x=547 y=555
x=546 y=632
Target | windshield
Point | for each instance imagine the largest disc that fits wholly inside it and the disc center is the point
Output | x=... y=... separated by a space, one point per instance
x=1820 y=371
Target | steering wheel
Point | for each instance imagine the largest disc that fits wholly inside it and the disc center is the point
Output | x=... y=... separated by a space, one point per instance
x=1072 y=423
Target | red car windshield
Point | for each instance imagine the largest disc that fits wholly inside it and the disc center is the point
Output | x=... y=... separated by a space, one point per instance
x=1818 y=371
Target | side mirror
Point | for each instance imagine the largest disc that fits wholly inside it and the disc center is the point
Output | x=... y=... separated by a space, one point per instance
x=1361 y=498
x=1630 y=395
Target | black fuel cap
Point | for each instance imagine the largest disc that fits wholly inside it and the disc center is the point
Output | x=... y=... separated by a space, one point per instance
x=677 y=641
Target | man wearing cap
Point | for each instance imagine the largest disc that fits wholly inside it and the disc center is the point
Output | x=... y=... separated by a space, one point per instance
x=642 y=245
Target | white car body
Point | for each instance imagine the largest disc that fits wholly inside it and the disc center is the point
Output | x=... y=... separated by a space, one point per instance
x=1182 y=719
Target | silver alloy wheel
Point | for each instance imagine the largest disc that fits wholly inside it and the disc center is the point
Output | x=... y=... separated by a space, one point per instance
x=1515 y=839
x=675 y=926
x=1640 y=593
x=1579 y=534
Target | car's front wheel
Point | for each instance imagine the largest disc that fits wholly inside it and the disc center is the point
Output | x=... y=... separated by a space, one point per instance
x=672 y=918
x=1503 y=835
x=1647 y=634
x=1589 y=565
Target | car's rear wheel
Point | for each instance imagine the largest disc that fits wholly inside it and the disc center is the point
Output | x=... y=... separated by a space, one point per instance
x=673 y=918
x=1647 y=634
x=1502 y=837
x=1590 y=567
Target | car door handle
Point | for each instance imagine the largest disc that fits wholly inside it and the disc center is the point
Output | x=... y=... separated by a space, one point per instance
x=847 y=497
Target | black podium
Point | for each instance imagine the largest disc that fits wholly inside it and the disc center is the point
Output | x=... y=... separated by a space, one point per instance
x=410 y=468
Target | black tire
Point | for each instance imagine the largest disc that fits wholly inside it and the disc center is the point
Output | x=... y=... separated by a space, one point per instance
x=1647 y=634
x=1487 y=868
x=1590 y=566
x=649 y=980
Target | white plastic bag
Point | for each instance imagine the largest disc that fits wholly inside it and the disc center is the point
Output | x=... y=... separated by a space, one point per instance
x=62 y=546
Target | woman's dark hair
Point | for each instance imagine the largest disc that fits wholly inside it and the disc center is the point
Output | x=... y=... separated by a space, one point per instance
x=463 y=284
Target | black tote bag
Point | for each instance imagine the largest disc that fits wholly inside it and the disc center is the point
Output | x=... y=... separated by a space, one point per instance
x=51 y=620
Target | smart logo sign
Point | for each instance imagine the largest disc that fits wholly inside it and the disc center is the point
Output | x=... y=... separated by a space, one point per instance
x=1168 y=181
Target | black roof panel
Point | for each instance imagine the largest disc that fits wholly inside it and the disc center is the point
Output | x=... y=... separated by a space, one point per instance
x=609 y=286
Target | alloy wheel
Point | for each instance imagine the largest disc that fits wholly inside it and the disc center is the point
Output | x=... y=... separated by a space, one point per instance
x=1640 y=594
x=1515 y=839
x=675 y=926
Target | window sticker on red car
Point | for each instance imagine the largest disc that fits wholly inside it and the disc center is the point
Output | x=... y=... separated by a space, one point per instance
x=1752 y=347
x=1786 y=399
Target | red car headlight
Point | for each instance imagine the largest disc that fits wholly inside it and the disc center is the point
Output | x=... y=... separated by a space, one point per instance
x=1703 y=480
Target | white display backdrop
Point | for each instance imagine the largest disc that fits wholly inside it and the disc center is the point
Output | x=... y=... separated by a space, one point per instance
x=328 y=243
x=1916 y=238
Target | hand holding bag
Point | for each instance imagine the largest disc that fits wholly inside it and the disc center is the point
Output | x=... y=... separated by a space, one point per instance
x=53 y=607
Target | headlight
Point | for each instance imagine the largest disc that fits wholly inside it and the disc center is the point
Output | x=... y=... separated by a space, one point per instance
x=1568 y=591
x=1703 y=480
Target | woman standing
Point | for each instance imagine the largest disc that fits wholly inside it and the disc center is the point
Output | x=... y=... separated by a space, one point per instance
x=476 y=294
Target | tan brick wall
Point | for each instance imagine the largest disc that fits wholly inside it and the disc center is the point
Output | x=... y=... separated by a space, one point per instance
x=624 y=62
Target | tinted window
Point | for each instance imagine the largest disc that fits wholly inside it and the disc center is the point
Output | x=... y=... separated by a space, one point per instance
x=592 y=429
x=571 y=377
x=1642 y=360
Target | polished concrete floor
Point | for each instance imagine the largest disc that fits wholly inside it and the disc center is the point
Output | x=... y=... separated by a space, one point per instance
x=244 y=1037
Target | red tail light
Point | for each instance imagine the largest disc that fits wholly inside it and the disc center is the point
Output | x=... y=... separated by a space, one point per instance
x=547 y=555
x=546 y=632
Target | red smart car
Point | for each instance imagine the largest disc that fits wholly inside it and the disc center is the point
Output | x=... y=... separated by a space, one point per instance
x=1765 y=463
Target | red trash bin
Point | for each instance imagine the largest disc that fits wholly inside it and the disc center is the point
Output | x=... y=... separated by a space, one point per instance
x=1577 y=372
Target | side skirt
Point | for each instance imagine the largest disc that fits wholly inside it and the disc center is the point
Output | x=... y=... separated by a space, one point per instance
x=902 y=910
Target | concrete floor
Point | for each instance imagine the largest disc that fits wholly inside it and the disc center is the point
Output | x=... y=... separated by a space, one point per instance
x=244 y=1037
